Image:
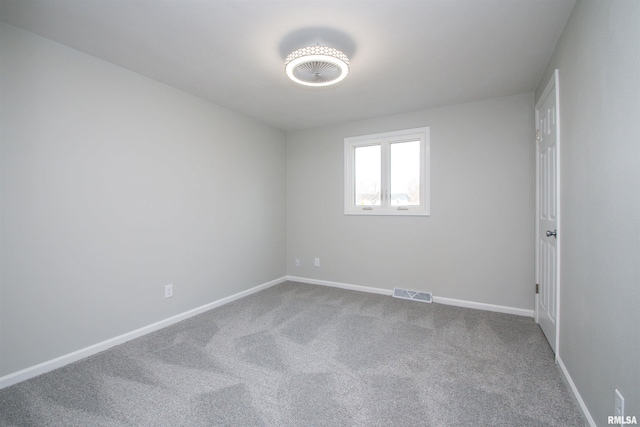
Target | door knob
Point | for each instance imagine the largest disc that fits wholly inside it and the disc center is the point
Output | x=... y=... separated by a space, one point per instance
x=552 y=233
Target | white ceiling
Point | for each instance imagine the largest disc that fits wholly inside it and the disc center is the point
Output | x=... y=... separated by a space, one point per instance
x=405 y=55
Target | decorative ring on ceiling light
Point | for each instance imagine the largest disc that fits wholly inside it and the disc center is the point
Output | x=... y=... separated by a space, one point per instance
x=317 y=66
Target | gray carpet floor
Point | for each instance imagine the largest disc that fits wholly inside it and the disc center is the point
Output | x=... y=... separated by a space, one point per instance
x=305 y=355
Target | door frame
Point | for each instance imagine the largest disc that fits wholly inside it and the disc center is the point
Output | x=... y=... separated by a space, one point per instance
x=553 y=83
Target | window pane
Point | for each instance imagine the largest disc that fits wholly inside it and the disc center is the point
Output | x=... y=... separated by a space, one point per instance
x=367 y=175
x=405 y=173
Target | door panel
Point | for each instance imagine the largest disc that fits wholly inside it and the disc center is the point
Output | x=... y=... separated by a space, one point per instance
x=547 y=213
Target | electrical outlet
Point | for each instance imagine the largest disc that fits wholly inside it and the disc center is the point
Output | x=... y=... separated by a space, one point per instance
x=297 y=262
x=619 y=405
x=168 y=291
x=316 y=262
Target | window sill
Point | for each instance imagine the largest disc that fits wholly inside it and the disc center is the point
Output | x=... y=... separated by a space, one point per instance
x=387 y=212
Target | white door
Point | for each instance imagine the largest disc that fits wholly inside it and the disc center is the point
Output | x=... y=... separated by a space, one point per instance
x=547 y=259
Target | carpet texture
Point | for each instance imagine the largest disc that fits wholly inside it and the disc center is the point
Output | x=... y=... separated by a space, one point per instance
x=305 y=355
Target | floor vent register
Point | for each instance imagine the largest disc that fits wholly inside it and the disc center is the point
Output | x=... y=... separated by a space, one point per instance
x=412 y=295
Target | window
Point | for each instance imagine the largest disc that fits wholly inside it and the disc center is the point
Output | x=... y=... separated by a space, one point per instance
x=387 y=173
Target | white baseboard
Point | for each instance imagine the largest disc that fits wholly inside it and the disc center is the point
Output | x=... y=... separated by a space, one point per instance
x=341 y=285
x=61 y=361
x=574 y=389
x=484 y=306
x=438 y=300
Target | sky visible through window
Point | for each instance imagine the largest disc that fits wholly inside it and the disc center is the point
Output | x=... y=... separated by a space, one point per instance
x=368 y=171
x=404 y=174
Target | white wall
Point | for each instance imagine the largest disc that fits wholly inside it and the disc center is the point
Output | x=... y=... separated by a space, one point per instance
x=478 y=243
x=113 y=185
x=598 y=57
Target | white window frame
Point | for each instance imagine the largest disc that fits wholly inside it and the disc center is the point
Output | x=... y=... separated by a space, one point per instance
x=384 y=140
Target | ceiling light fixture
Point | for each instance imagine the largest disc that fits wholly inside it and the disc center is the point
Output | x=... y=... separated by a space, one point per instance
x=317 y=66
